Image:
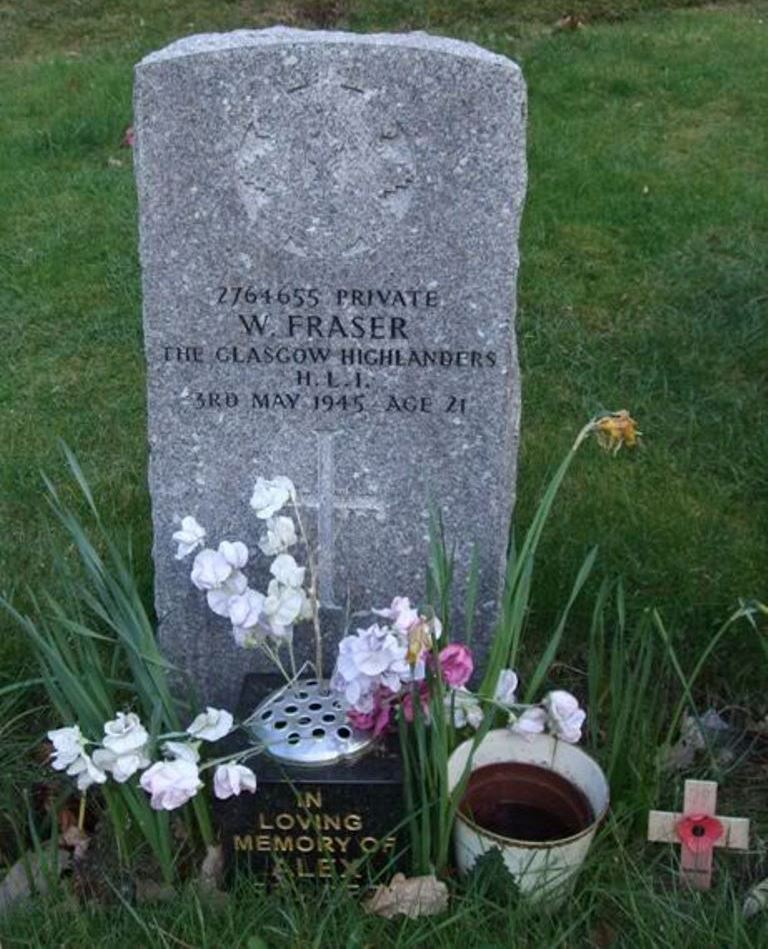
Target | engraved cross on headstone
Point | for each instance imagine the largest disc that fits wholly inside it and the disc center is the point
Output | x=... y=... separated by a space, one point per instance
x=326 y=504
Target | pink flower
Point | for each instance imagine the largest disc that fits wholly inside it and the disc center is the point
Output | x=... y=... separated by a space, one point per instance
x=456 y=664
x=699 y=832
x=379 y=719
x=408 y=702
x=171 y=783
x=401 y=614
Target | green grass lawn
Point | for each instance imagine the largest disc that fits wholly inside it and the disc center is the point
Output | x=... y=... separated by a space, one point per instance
x=643 y=280
x=643 y=285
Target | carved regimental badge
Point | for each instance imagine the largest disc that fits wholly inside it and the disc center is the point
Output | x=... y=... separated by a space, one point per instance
x=332 y=143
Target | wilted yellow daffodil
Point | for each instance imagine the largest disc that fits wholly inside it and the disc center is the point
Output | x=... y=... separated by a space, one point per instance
x=419 y=640
x=616 y=429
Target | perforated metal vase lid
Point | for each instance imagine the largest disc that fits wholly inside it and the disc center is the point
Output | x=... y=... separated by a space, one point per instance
x=307 y=724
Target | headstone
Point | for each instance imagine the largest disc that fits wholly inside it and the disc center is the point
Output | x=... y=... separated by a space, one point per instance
x=341 y=822
x=699 y=829
x=329 y=252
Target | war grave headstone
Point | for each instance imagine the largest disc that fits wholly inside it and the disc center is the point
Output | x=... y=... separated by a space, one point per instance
x=328 y=230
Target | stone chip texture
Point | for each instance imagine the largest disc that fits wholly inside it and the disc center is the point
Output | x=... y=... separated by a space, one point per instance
x=328 y=229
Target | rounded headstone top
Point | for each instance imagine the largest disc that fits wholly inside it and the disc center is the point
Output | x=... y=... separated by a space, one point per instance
x=202 y=43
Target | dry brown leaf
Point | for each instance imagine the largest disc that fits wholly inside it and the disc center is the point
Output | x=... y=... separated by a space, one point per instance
x=179 y=830
x=28 y=875
x=408 y=896
x=212 y=868
x=603 y=935
x=77 y=840
x=67 y=819
x=569 y=22
x=758 y=727
x=151 y=891
x=756 y=900
x=696 y=734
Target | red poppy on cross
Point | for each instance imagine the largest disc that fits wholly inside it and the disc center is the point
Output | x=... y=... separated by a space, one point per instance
x=699 y=831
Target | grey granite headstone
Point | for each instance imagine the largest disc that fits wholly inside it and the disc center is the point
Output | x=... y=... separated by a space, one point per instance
x=329 y=232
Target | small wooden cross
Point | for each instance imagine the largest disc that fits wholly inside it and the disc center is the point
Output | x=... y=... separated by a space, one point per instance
x=699 y=831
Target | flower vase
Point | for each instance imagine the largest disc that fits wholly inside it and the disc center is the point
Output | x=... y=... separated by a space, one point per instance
x=536 y=799
x=306 y=723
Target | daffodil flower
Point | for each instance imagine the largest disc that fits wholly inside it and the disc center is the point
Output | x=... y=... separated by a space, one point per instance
x=616 y=429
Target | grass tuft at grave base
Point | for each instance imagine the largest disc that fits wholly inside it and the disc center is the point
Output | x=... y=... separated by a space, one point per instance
x=619 y=904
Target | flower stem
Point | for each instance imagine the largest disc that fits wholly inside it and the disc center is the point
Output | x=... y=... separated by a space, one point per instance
x=274 y=657
x=81 y=813
x=313 y=593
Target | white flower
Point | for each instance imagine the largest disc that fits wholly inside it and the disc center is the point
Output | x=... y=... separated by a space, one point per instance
x=189 y=537
x=246 y=610
x=245 y=613
x=122 y=766
x=283 y=604
x=269 y=496
x=68 y=746
x=280 y=634
x=230 y=779
x=531 y=722
x=125 y=735
x=236 y=553
x=171 y=783
x=371 y=658
x=565 y=718
x=506 y=687
x=125 y=747
x=357 y=692
x=250 y=638
x=219 y=600
x=306 y=606
x=280 y=536
x=211 y=725
x=372 y=652
x=69 y=753
x=210 y=570
x=182 y=750
x=466 y=708
x=87 y=772
x=285 y=570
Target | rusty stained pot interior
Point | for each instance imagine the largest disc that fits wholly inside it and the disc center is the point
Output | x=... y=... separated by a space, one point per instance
x=525 y=802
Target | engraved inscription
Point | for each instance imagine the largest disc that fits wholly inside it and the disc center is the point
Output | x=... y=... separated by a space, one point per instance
x=335 y=143
x=314 y=841
x=328 y=351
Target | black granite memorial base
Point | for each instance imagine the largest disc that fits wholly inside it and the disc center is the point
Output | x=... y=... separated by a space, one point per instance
x=322 y=822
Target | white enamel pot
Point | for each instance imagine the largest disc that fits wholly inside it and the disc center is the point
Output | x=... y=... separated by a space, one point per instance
x=540 y=868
